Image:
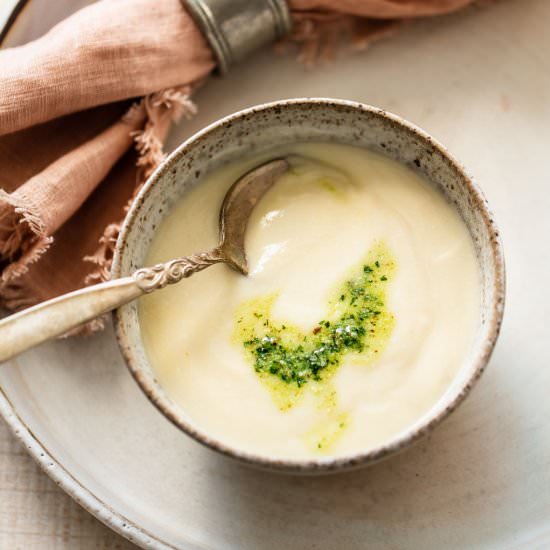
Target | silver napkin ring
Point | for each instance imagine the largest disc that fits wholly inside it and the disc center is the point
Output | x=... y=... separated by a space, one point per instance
x=235 y=28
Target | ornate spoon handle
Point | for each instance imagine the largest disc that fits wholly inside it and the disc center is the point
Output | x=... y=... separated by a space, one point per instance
x=55 y=317
x=160 y=275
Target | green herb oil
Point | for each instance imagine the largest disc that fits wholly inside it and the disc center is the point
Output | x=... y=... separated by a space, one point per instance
x=288 y=359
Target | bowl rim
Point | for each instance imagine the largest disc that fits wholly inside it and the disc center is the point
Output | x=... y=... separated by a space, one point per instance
x=414 y=432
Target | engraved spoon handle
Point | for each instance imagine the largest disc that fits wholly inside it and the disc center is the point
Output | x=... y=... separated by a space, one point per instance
x=55 y=317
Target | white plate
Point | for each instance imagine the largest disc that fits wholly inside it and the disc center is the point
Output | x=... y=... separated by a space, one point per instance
x=480 y=82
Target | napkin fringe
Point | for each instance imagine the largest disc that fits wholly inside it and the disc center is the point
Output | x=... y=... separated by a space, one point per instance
x=162 y=108
x=23 y=240
x=320 y=35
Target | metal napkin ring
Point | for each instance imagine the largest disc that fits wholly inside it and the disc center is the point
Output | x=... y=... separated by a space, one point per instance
x=235 y=28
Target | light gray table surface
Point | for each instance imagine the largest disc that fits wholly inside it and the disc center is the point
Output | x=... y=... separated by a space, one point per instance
x=36 y=514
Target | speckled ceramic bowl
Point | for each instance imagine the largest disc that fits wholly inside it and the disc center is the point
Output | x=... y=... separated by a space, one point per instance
x=302 y=120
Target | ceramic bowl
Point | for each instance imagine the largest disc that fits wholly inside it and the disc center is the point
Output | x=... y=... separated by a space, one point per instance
x=302 y=120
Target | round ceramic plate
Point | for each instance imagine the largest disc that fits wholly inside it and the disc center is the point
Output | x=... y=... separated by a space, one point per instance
x=480 y=83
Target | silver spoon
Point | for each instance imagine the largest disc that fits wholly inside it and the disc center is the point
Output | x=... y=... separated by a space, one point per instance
x=55 y=317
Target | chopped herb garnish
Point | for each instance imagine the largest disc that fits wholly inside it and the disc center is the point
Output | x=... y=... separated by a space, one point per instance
x=358 y=320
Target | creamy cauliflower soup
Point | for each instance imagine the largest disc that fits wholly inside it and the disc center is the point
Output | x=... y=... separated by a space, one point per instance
x=360 y=306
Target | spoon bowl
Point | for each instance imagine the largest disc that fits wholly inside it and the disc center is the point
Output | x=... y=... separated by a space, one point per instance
x=237 y=206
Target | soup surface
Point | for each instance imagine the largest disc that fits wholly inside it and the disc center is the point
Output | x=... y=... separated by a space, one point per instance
x=360 y=307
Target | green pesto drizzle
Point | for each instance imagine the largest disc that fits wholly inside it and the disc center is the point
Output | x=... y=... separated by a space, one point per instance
x=357 y=322
x=288 y=361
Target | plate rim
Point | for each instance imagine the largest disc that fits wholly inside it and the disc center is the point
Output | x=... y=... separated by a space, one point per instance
x=61 y=476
